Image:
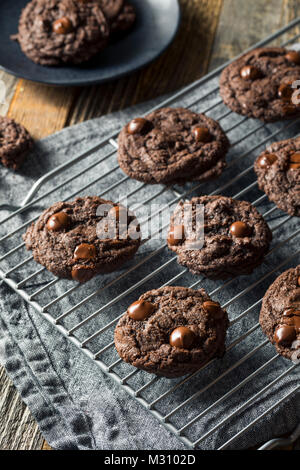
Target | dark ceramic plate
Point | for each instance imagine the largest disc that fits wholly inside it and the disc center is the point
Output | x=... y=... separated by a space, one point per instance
x=156 y=27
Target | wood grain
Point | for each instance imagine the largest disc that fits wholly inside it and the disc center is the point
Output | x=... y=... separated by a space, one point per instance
x=211 y=32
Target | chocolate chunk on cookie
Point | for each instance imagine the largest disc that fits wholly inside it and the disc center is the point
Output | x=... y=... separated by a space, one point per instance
x=280 y=313
x=218 y=236
x=259 y=84
x=77 y=240
x=278 y=173
x=124 y=21
x=172 y=331
x=172 y=145
x=55 y=32
x=16 y=142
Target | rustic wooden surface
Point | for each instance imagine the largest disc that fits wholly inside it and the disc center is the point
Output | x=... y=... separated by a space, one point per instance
x=212 y=31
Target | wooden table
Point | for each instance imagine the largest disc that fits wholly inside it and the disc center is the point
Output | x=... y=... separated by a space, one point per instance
x=211 y=32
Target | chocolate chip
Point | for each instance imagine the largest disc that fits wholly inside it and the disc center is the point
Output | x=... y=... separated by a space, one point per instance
x=294 y=166
x=213 y=308
x=284 y=334
x=293 y=56
x=285 y=91
x=239 y=229
x=202 y=134
x=265 y=161
x=82 y=273
x=58 y=221
x=176 y=235
x=288 y=312
x=62 y=26
x=289 y=109
x=182 y=337
x=85 y=251
x=136 y=126
x=249 y=72
x=140 y=310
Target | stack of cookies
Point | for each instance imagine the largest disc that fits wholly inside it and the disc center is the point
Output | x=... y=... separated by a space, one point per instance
x=57 y=32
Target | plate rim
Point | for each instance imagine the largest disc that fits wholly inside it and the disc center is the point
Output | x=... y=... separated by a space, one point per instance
x=102 y=80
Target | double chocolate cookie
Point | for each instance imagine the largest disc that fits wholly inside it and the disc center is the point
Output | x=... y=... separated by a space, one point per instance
x=54 y=32
x=259 y=84
x=278 y=173
x=218 y=236
x=15 y=143
x=172 y=331
x=172 y=145
x=120 y=14
x=77 y=240
x=280 y=314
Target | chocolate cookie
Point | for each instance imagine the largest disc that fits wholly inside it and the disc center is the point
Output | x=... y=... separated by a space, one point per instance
x=15 y=143
x=230 y=239
x=121 y=14
x=280 y=314
x=278 y=173
x=53 y=32
x=77 y=240
x=172 y=331
x=172 y=145
x=259 y=84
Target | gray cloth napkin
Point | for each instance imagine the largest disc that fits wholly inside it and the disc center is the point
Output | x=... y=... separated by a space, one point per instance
x=74 y=403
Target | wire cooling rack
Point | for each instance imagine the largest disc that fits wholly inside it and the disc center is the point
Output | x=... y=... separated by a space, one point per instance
x=214 y=402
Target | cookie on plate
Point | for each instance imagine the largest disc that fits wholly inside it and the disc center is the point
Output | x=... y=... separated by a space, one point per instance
x=16 y=142
x=218 y=237
x=172 y=145
x=259 y=84
x=172 y=331
x=280 y=313
x=79 y=239
x=278 y=173
x=55 y=32
x=120 y=14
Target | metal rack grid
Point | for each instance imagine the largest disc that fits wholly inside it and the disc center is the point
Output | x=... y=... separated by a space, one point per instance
x=182 y=404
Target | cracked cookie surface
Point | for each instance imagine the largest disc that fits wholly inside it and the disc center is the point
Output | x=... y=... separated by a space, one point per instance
x=16 y=142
